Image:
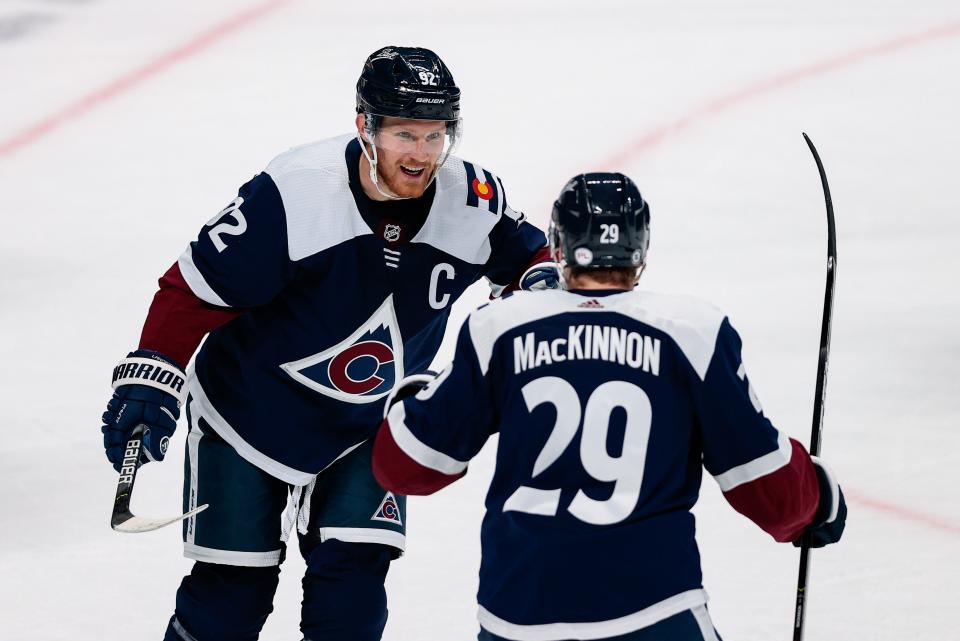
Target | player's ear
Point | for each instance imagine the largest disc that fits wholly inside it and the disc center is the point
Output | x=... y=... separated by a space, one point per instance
x=360 y=122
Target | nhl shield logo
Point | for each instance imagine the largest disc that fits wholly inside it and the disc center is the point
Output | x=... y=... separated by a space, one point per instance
x=391 y=233
x=388 y=511
x=363 y=367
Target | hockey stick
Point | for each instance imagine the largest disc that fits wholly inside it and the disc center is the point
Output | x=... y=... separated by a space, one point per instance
x=122 y=519
x=799 y=617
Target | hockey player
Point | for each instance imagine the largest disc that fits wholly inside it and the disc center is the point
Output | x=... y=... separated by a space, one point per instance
x=608 y=402
x=328 y=277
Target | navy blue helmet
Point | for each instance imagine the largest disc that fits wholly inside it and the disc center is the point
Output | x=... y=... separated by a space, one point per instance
x=407 y=82
x=600 y=220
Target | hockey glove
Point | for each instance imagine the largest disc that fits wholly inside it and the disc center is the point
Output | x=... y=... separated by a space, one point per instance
x=831 y=517
x=409 y=386
x=149 y=389
x=541 y=276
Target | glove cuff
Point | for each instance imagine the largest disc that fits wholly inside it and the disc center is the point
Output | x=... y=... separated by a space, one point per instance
x=151 y=370
x=829 y=493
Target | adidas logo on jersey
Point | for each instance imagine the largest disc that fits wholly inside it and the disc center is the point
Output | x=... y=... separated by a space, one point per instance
x=593 y=303
x=388 y=511
x=363 y=367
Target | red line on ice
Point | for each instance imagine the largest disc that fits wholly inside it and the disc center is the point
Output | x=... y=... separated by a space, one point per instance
x=659 y=133
x=131 y=79
x=902 y=512
x=656 y=135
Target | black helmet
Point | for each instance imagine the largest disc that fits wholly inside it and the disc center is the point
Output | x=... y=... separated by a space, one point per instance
x=407 y=82
x=600 y=220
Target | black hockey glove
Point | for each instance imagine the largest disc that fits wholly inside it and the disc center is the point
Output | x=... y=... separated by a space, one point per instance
x=831 y=517
x=541 y=276
x=149 y=388
x=408 y=387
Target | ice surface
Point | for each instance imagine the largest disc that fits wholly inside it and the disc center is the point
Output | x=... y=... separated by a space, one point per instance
x=97 y=208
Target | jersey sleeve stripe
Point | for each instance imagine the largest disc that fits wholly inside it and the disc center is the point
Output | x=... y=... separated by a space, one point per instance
x=417 y=450
x=758 y=467
x=397 y=472
x=196 y=281
x=784 y=502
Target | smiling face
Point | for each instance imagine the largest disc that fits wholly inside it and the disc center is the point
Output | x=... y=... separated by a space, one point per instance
x=407 y=153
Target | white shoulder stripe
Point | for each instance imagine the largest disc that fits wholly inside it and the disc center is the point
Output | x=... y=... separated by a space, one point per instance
x=488 y=324
x=417 y=450
x=453 y=226
x=314 y=186
x=758 y=467
x=196 y=281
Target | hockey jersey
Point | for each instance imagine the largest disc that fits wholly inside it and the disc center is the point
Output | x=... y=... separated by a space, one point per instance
x=322 y=305
x=608 y=405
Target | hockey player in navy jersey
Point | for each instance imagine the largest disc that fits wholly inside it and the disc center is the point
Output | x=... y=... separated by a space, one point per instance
x=608 y=402
x=329 y=277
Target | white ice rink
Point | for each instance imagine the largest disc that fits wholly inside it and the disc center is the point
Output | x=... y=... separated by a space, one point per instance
x=125 y=125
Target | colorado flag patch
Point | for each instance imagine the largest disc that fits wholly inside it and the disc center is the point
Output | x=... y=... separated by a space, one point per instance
x=484 y=190
x=388 y=511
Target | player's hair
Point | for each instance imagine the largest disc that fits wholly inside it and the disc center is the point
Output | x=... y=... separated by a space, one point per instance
x=617 y=277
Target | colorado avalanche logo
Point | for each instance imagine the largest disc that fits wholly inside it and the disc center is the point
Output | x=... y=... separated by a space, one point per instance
x=362 y=368
x=388 y=511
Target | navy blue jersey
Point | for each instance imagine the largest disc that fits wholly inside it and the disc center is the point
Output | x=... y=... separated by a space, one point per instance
x=337 y=303
x=608 y=406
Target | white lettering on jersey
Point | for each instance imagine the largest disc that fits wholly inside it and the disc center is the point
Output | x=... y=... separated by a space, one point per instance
x=447 y=270
x=228 y=228
x=625 y=471
x=588 y=342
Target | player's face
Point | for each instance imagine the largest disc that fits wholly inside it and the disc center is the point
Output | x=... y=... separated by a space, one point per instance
x=407 y=153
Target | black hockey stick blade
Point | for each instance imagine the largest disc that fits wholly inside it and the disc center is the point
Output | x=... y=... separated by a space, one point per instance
x=122 y=519
x=818 y=400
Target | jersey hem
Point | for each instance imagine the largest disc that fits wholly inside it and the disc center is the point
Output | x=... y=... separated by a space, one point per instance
x=593 y=629
x=276 y=469
x=707 y=631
